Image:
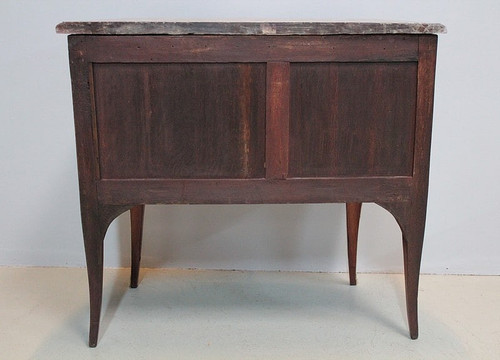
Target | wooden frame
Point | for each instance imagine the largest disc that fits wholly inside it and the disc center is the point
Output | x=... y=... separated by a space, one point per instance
x=102 y=200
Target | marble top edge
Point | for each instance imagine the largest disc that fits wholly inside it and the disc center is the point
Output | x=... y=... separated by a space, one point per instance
x=245 y=28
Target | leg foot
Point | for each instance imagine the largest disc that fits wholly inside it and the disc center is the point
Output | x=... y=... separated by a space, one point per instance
x=93 y=334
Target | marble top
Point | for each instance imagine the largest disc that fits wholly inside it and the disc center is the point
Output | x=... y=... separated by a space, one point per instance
x=245 y=28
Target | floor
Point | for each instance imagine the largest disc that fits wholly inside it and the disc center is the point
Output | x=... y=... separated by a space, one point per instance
x=200 y=314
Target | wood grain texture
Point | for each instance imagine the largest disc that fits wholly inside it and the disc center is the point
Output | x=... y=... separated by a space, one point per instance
x=181 y=120
x=253 y=191
x=411 y=215
x=92 y=228
x=193 y=119
x=277 y=120
x=413 y=237
x=350 y=119
x=224 y=49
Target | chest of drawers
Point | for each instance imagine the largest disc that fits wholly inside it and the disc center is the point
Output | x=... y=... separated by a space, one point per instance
x=225 y=113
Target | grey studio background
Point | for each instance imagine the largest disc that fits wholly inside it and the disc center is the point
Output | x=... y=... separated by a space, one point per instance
x=40 y=218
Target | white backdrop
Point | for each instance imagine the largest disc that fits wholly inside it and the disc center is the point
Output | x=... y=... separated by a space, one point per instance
x=39 y=213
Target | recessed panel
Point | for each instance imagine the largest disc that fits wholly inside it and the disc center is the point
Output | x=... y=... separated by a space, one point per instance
x=180 y=120
x=352 y=119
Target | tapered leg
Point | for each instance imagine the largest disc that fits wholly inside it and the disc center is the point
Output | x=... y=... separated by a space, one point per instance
x=353 y=211
x=93 y=240
x=413 y=238
x=412 y=252
x=95 y=221
x=136 y=224
x=411 y=219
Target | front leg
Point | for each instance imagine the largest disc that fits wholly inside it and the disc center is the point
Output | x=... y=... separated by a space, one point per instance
x=411 y=219
x=95 y=222
x=93 y=240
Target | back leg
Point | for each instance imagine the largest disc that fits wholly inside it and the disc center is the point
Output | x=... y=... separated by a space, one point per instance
x=353 y=212
x=136 y=226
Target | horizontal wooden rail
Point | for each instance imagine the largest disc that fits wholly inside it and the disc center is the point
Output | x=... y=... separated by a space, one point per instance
x=147 y=49
x=253 y=191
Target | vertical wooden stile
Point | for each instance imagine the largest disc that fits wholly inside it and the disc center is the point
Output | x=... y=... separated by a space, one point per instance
x=277 y=119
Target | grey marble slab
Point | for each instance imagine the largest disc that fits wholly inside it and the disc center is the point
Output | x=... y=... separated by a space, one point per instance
x=245 y=28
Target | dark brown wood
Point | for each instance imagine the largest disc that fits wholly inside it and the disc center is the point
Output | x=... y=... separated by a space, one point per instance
x=230 y=49
x=414 y=237
x=341 y=125
x=254 y=191
x=277 y=119
x=93 y=241
x=96 y=216
x=411 y=214
x=411 y=219
x=252 y=119
x=136 y=226
x=87 y=171
x=146 y=113
x=353 y=212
